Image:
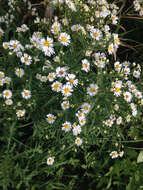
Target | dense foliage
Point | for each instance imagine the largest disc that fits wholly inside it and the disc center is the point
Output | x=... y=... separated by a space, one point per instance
x=71 y=106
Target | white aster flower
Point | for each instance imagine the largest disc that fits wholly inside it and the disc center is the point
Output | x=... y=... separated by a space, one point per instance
x=66 y=126
x=136 y=74
x=47 y=46
x=78 y=141
x=65 y=105
x=85 y=65
x=43 y=79
x=92 y=89
x=119 y=120
x=20 y=113
x=72 y=80
x=57 y=86
x=5 y=45
x=116 y=40
x=56 y=26
x=7 y=94
x=109 y=123
x=75 y=27
x=2 y=75
x=50 y=161
x=76 y=129
x=80 y=115
x=85 y=108
x=9 y=102
x=51 y=76
x=100 y=64
x=50 y=118
x=71 y=5
x=61 y=71
x=19 y=72
x=82 y=122
x=117 y=66
x=26 y=94
x=114 y=154
x=127 y=96
x=64 y=39
x=111 y=49
x=27 y=59
x=67 y=90
x=96 y=34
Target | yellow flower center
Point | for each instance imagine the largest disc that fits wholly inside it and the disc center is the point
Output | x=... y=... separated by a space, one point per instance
x=85 y=108
x=14 y=46
x=92 y=89
x=20 y=112
x=66 y=90
x=117 y=66
x=1 y=75
x=26 y=94
x=117 y=89
x=26 y=59
x=95 y=34
x=46 y=43
x=6 y=45
x=56 y=28
x=50 y=118
x=56 y=86
x=6 y=93
x=76 y=28
x=64 y=38
x=85 y=65
x=117 y=40
x=71 y=80
x=66 y=126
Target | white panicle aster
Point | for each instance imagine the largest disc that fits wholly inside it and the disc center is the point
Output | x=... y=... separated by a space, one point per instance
x=114 y=154
x=56 y=26
x=119 y=120
x=111 y=49
x=85 y=65
x=20 y=113
x=92 y=89
x=67 y=90
x=50 y=118
x=64 y=39
x=19 y=72
x=51 y=76
x=96 y=34
x=72 y=80
x=75 y=27
x=76 y=129
x=61 y=71
x=127 y=96
x=86 y=108
x=65 y=105
x=9 y=102
x=136 y=74
x=71 y=5
x=66 y=126
x=26 y=94
x=47 y=46
x=78 y=141
x=7 y=94
x=117 y=66
x=57 y=86
x=50 y=161
x=27 y=59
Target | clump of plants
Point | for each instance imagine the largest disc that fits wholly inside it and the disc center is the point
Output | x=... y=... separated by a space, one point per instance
x=66 y=98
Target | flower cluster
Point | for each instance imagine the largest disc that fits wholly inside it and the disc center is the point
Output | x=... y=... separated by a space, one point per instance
x=60 y=73
x=138 y=6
